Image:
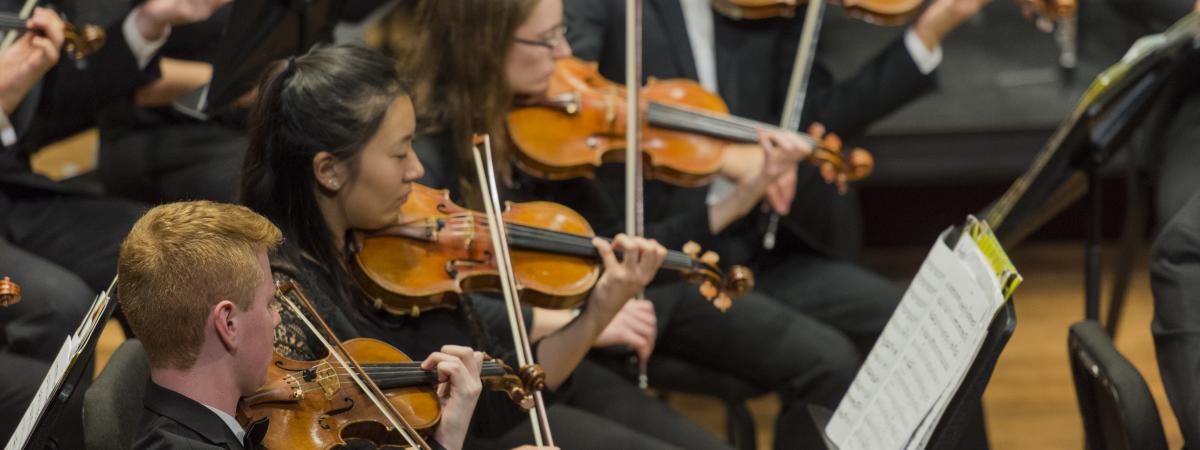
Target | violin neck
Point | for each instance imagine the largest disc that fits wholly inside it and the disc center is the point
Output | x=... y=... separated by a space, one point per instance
x=557 y=242
x=410 y=374
x=731 y=128
x=9 y=21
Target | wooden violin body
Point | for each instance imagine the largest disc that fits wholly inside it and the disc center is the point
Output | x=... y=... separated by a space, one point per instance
x=583 y=126
x=439 y=250
x=314 y=404
x=878 y=12
x=1051 y=9
x=580 y=125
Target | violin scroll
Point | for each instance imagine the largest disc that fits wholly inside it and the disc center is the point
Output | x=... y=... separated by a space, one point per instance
x=10 y=293
x=877 y=12
x=518 y=386
x=1050 y=9
x=719 y=288
x=81 y=42
x=836 y=166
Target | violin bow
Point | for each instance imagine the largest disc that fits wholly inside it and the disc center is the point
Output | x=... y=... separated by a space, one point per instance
x=635 y=219
x=508 y=282
x=798 y=90
x=11 y=36
x=334 y=346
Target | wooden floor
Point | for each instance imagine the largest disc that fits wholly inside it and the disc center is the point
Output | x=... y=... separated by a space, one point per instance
x=1030 y=403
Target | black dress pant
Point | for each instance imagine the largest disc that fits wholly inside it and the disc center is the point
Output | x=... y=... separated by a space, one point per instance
x=80 y=234
x=1176 y=172
x=766 y=344
x=600 y=410
x=184 y=161
x=843 y=295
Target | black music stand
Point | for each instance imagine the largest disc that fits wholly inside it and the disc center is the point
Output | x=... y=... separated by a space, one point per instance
x=42 y=435
x=1078 y=151
x=258 y=33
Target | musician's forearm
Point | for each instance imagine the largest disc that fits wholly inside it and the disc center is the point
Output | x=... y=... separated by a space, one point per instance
x=560 y=352
x=737 y=204
x=178 y=78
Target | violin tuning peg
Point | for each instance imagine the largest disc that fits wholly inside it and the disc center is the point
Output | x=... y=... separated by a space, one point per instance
x=723 y=302
x=832 y=141
x=828 y=173
x=710 y=258
x=691 y=249
x=816 y=130
x=708 y=290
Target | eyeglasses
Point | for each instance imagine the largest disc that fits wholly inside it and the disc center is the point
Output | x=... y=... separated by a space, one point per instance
x=557 y=37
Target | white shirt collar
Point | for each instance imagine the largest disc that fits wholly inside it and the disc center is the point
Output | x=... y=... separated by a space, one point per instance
x=230 y=422
x=698 y=19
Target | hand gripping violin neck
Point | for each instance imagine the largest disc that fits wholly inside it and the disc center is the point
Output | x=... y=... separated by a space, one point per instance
x=78 y=42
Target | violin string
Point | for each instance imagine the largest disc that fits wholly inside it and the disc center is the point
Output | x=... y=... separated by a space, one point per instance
x=393 y=417
x=574 y=244
x=732 y=126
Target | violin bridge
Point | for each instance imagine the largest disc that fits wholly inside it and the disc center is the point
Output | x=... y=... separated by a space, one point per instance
x=434 y=227
x=327 y=378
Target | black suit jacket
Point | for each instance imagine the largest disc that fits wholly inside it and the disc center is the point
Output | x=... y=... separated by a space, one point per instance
x=754 y=60
x=66 y=102
x=172 y=421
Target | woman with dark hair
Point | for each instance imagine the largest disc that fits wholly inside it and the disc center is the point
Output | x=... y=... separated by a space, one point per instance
x=473 y=60
x=330 y=152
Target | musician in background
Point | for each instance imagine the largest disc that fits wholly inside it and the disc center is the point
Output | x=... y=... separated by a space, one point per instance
x=749 y=63
x=32 y=330
x=61 y=237
x=149 y=152
x=61 y=242
x=1172 y=130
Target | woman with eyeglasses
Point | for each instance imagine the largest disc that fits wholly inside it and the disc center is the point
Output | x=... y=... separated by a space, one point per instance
x=473 y=60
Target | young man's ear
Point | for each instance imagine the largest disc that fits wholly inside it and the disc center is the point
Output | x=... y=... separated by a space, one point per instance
x=222 y=321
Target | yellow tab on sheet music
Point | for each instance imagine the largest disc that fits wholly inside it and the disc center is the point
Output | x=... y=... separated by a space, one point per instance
x=1003 y=267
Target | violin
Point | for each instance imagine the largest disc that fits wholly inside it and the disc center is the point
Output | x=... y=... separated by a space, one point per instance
x=349 y=394
x=878 y=12
x=1053 y=10
x=580 y=125
x=10 y=293
x=313 y=404
x=438 y=250
x=78 y=42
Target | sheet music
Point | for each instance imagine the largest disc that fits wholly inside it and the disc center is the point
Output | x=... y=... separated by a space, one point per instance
x=45 y=393
x=52 y=383
x=923 y=354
